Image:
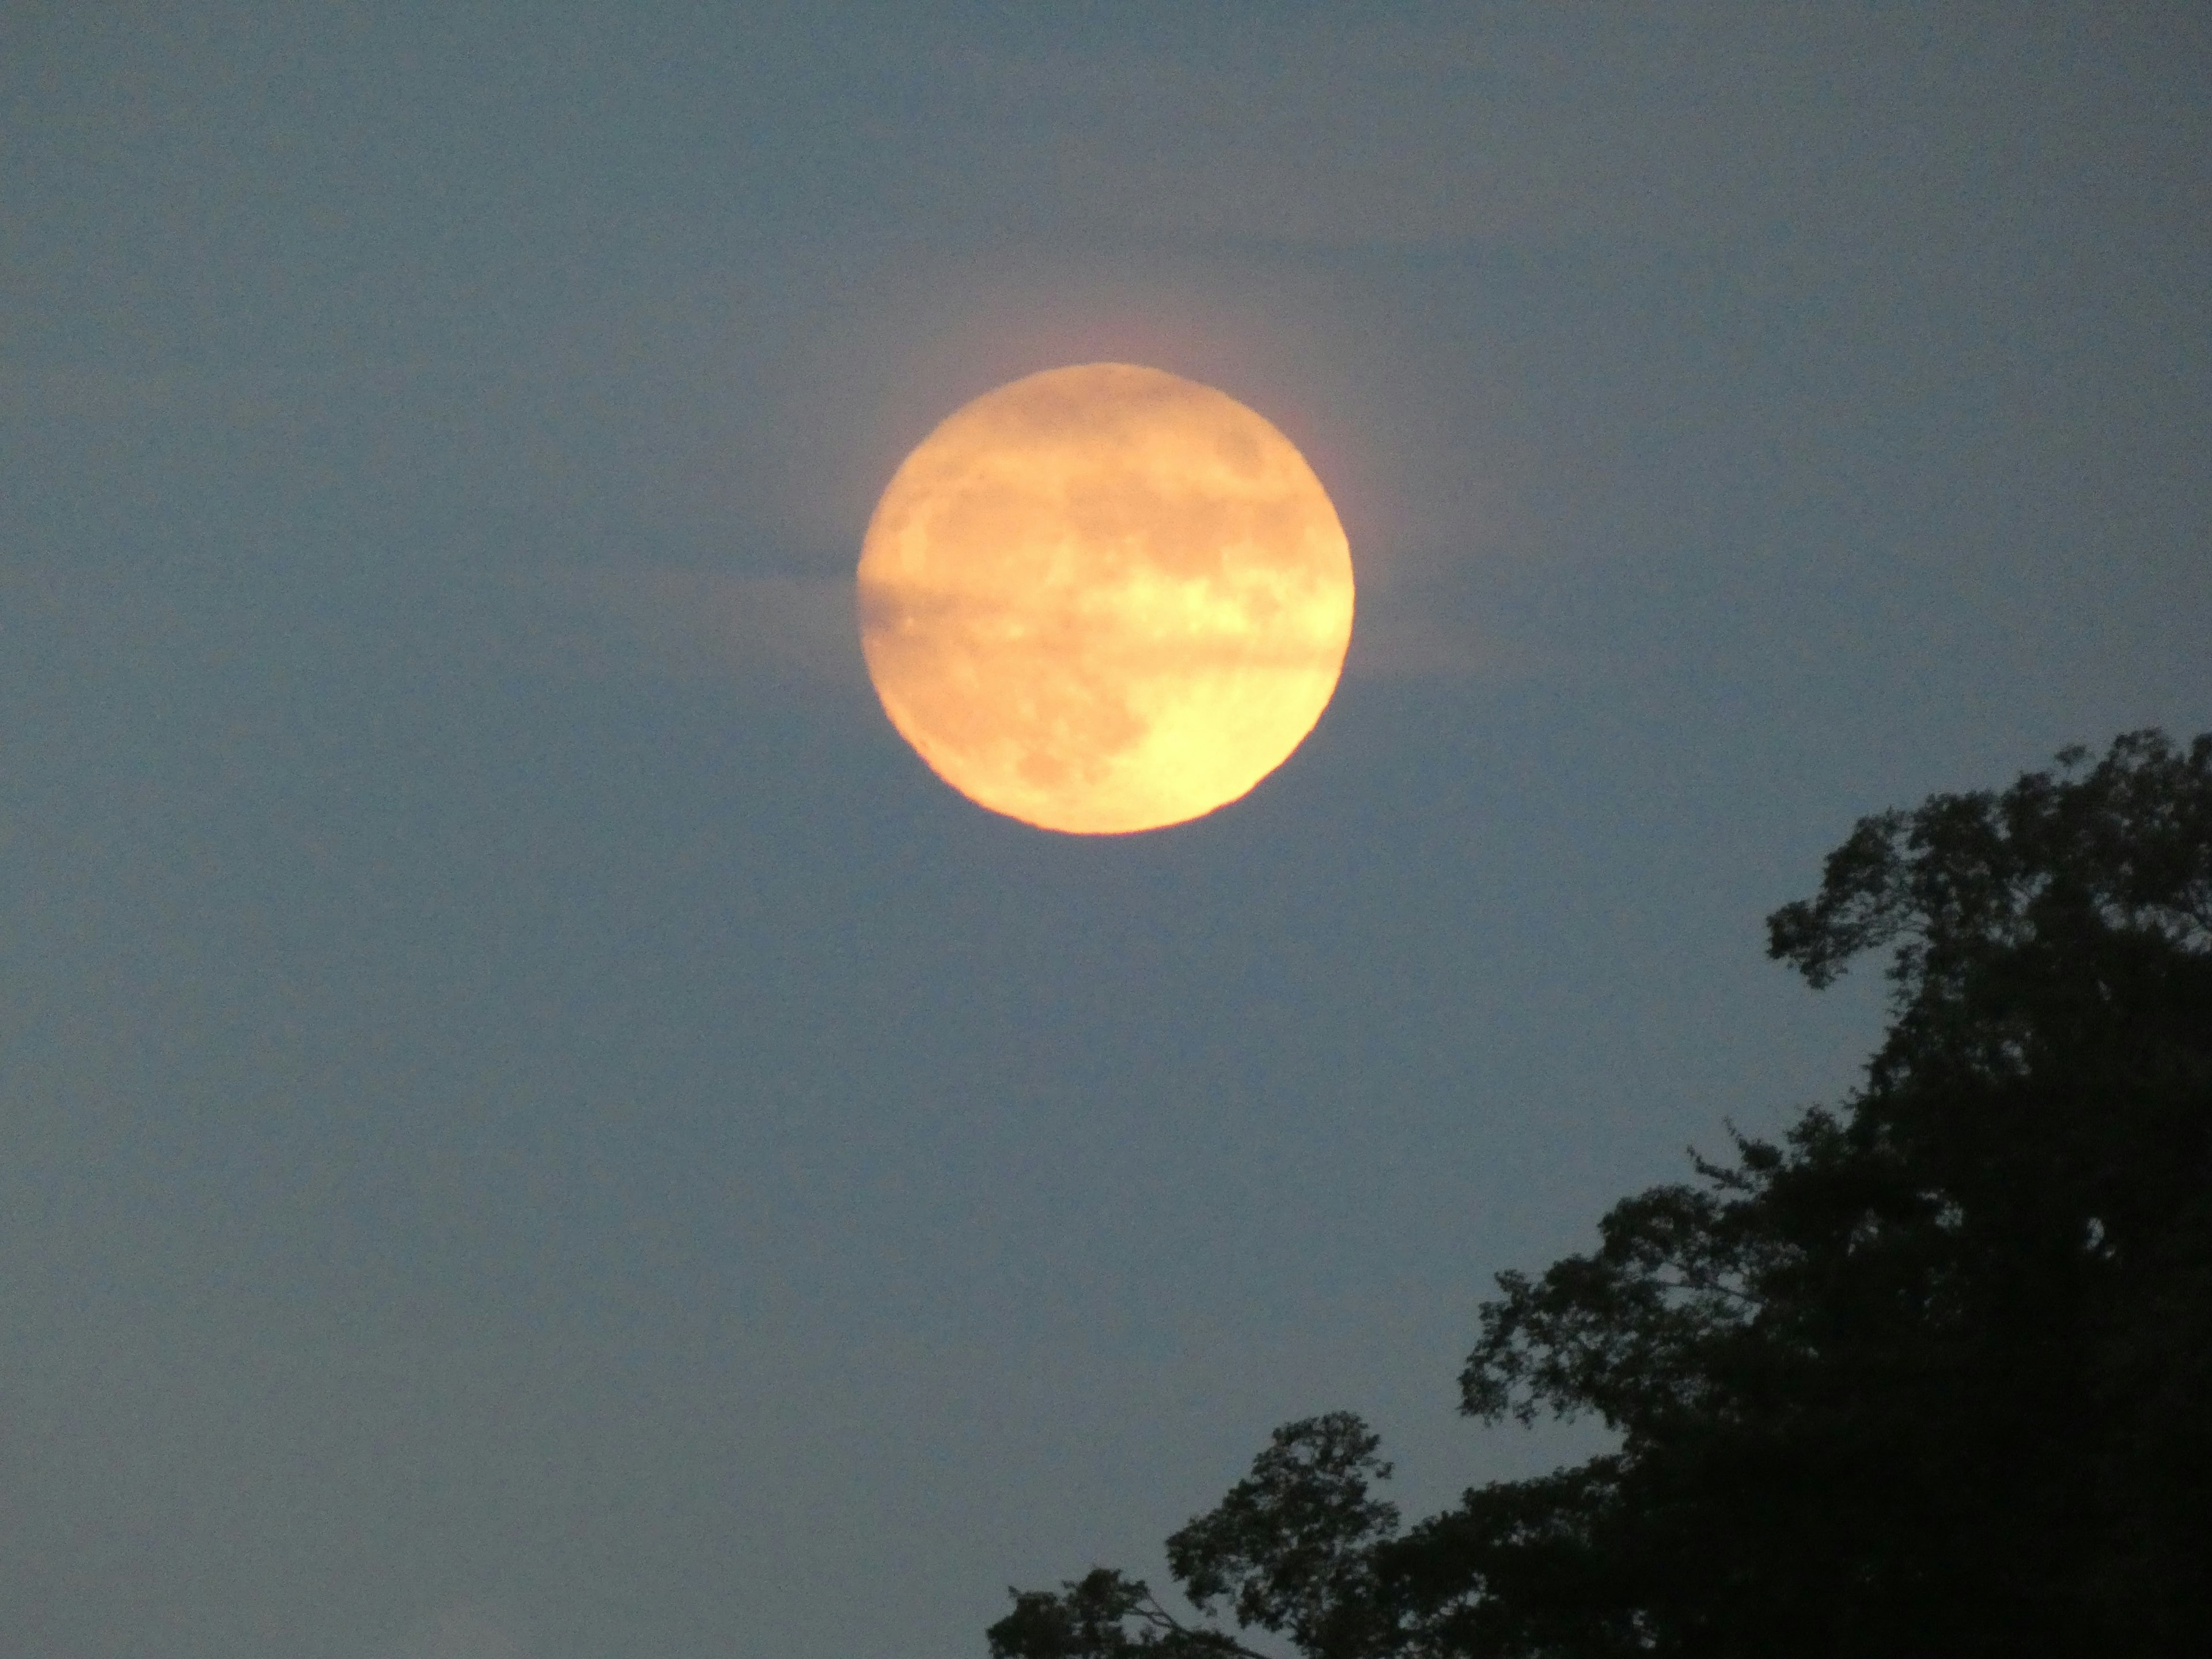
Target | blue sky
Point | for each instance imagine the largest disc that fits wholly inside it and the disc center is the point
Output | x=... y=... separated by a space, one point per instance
x=534 y=1127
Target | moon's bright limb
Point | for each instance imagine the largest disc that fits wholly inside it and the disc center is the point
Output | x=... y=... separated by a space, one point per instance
x=1104 y=598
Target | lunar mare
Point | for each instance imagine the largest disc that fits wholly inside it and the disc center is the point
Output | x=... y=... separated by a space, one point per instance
x=1104 y=598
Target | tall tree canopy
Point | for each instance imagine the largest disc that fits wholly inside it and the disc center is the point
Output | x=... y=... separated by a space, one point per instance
x=1931 y=1375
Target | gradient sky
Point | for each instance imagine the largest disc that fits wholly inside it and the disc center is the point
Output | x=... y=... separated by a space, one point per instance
x=532 y=1125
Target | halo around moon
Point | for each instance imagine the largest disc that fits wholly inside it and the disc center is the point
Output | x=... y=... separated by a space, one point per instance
x=1104 y=598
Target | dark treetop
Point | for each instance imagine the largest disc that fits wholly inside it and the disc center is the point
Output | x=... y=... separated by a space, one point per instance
x=1929 y=1377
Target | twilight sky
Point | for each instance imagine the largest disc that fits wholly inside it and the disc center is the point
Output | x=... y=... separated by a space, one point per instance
x=532 y=1127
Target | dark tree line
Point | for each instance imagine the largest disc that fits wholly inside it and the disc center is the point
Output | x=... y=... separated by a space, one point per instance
x=1933 y=1375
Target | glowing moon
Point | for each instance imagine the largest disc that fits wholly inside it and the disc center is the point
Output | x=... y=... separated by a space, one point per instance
x=1102 y=599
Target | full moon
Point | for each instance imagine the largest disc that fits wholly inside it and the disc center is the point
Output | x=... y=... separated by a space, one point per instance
x=1104 y=598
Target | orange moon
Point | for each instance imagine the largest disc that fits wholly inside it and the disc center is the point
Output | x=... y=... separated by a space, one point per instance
x=1104 y=598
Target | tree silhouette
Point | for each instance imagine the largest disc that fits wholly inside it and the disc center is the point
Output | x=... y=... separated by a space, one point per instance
x=1931 y=1375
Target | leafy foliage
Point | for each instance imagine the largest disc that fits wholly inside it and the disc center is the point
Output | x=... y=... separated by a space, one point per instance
x=1930 y=1375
